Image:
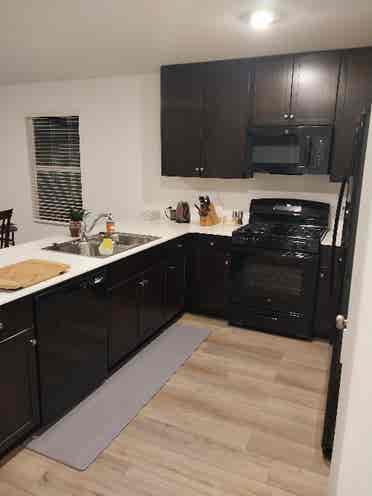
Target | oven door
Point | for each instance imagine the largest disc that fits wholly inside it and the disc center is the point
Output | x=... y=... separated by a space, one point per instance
x=278 y=150
x=273 y=290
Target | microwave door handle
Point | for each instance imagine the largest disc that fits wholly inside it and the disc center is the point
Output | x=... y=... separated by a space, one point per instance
x=308 y=149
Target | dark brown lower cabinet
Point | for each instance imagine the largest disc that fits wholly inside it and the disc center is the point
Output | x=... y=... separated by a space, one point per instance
x=19 y=405
x=174 y=286
x=144 y=292
x=210 y=275
x=151 y=301
x=124 y=333
x=136 y=309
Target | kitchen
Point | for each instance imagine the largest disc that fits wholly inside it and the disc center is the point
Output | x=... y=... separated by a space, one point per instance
x=122 y=170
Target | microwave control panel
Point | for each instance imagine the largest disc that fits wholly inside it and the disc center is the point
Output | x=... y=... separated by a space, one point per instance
x=320 y=152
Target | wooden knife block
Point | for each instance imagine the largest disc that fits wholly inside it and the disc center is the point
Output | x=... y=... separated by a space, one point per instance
x=211 y=219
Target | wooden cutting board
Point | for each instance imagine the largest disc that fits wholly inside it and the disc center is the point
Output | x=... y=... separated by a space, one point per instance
x=29 y=272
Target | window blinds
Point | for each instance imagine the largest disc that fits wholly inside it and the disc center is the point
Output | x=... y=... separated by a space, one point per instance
x=56 y=178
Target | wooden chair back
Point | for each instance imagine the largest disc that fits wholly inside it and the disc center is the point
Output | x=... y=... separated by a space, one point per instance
x=5 y=216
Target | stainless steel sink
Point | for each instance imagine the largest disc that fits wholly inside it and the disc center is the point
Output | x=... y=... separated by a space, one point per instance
x=89 y=248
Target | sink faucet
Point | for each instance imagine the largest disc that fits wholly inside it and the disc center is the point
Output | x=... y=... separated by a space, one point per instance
x=84 y=228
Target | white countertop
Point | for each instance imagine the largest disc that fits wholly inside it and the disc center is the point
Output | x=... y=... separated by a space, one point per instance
x=165 y=230
x=81 y=264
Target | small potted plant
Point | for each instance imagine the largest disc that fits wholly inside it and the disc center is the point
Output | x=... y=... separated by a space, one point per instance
x=76 y=217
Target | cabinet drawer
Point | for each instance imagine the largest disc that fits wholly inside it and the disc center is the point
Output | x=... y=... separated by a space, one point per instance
x=176 y=248
x=178 y=244
x=134 y=264
x=139 y=262
x=211 y=241
x=16 y=316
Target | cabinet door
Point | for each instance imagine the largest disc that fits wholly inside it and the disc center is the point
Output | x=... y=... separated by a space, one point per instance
x=272 y=90
x=227 y=105
x=181 y=119
x=355 y=97
x=151 y=313
x=19 y=407
x=175 y=287
x=210 y=279
x=124 y=335
x=315 y=81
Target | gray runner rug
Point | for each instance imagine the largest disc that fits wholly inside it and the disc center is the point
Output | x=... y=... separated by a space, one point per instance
x=78 y=438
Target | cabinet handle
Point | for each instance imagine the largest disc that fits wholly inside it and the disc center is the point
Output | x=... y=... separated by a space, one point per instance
x=291 y=116
x=180 y=245
x=285 y=116
x=211 y=243
x=33 y=342
x=2 y=326
x=172 y=267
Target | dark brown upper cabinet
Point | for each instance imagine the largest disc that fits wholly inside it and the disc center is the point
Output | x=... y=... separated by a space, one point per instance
x=272 y=90
x=205 y=113
x=300 y=89
x=226 y=116
x=354 y=98
x=181 y=119
x=314 y=89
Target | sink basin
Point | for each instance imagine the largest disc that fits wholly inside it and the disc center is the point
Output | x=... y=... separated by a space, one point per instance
x=89 y=248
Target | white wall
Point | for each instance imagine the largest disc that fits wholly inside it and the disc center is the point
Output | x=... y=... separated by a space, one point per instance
x=120 y=152
x=352 y=461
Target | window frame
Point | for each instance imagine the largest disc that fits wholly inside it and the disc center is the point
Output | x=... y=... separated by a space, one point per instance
x=33 y=167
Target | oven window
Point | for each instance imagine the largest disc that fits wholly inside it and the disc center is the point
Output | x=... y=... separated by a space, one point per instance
x=277 y=150
x=274 y=279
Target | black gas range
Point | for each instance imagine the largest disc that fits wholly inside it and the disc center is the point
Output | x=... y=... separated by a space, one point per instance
x=275 y=264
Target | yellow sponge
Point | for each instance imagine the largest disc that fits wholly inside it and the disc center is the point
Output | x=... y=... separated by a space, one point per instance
x=106 y=247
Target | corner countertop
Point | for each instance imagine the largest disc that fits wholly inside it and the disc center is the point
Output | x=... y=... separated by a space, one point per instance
x=79 y=265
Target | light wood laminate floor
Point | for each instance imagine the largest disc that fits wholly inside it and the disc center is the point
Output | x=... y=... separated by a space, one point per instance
x=243 y=416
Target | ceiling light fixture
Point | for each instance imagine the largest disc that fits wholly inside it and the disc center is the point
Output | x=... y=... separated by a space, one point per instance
x=261 y=19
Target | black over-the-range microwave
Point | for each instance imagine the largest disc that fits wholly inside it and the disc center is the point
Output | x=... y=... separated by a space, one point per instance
x=289 y=150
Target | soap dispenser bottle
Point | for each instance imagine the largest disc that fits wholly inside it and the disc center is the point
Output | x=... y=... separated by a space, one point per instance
x=110 y=225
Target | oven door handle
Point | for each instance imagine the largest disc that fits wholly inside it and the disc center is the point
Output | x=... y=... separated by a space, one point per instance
x=243 y=251
x=249 y=154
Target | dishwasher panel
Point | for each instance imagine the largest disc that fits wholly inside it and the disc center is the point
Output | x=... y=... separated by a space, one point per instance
x=72 y=343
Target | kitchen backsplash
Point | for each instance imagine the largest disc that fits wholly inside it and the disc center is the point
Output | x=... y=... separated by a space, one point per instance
x=233 y=194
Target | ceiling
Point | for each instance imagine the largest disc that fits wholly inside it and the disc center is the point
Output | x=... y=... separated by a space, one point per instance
x=72 y=39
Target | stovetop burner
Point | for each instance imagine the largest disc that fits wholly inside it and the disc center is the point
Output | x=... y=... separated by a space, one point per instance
x=282 y=224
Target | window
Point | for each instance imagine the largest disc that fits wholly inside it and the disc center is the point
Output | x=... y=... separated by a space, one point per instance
x=56 y=175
